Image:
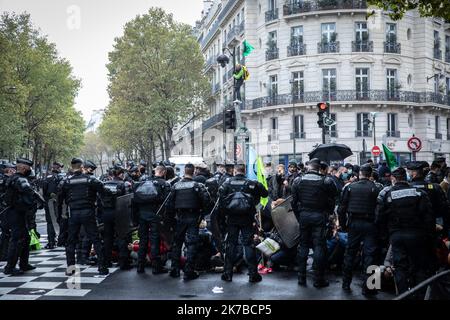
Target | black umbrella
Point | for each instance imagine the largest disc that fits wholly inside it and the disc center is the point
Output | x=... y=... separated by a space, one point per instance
x=331 y=151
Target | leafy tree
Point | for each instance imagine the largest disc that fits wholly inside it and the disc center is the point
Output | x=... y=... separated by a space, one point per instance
x=427 y=8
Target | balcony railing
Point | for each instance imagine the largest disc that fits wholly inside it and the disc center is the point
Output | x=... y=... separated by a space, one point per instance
x=240 y=28
x=438 y=136
x=437 y=53
x=392 y=47
x=298 y=49
x=328 y=47
x=393 y=134
x=362 y=46
x=272 y=15
x=294 y=6
x=298 y=135
x=271 y=54
x=363 y=133
x=314 y=97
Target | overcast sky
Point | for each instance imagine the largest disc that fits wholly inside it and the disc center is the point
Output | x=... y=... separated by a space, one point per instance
x=84 y=32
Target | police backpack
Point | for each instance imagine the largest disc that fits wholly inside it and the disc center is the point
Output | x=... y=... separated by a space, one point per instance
x=147 y=192
x=239 y=202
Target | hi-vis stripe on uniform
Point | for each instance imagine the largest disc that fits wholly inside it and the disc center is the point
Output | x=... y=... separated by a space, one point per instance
x=312 y=177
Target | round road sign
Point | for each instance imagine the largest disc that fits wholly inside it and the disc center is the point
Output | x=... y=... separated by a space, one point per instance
x=414 y=144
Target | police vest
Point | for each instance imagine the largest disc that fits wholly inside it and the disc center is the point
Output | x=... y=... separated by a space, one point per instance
x=240 y=201
x=404 y=205
x=362 y=199
x=186 y=195
x=311 y=192
x=112 y=190
x=80 y=194
x=52 y=182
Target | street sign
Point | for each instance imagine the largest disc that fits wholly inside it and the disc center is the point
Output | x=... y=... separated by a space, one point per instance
x=328 y=121
x=376 y=151
x=414 y=144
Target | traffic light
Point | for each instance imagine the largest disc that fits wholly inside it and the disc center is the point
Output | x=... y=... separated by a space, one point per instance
x=324 y=111
x=230 y=119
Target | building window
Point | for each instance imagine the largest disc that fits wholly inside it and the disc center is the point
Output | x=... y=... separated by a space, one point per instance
x=437 y=53
x=391 y=45
x=329 y=84
x=274 y=123
x=447 y=49
x=448 y=128
x=272 y=50
x=272 y=13
x=362 y=125
x=296 y=46
x=362 y=83
x=273 y=90
x=361 y=43
x=328 y=41
x=332 y=130
x=272 y=5
x=299 y=128
x=447 y=85
x=437 y=127
x=392 y=125
x=391 y=84
x=297 y=86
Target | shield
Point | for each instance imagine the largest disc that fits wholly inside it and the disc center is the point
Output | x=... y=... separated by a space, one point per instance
x=52 y=210
x=286 y=223
x=123 y=214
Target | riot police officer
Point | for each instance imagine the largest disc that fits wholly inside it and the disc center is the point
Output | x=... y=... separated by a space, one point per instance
x=313 y=197
x=238 y=197
x=149 y=196
x=434 y=191
x=49 y=192
x=201 y=173
x=20 y=197
x=229 y=167
x=189 y=201
x=80 y=192
x=8 y=171
x=142 y=167
x=112 y=190
x=357 y=214
x=405 y=213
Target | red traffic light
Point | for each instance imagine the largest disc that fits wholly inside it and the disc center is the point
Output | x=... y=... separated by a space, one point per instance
x=323 y=106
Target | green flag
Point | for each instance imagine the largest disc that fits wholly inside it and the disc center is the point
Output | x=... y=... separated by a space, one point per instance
x=261 y=179
x=247 y=48
x=390 y=158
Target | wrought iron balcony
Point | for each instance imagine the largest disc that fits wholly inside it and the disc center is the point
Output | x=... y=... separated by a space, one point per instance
x=363 y=133
x=437 y=53
x=271 y=54
x=227 y=76
x=240 y=28
x=314 y=97
x=438 y=136
x=393 y=134
x=392 y=47
x=297 y=49
x=295 y=7
x=271 y=15
x=362 y=46
x=298 y=135
x=328 y=47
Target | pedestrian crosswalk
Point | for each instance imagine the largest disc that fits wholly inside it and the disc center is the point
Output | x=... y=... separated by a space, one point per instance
x=48 y=280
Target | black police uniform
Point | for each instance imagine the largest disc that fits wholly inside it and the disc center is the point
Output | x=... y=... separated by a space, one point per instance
x=112 y=190
x=405 y=212
x=50 y=190
x=20 y=198
x=240 y=222
x=188 y=200
x=5 y=235
x=357 y=213
x=148 y=219
x=62 y=220
x=313 y=197
x=80 y=193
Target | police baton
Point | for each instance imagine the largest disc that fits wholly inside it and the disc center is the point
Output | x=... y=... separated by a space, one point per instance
x=164 y=203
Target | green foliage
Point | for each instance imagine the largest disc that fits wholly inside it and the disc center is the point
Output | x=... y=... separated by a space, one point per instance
x=427 y=8
x=156 y=81
x=37 y=92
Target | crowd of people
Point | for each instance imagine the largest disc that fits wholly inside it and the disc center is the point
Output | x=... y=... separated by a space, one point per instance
x=350 y=218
